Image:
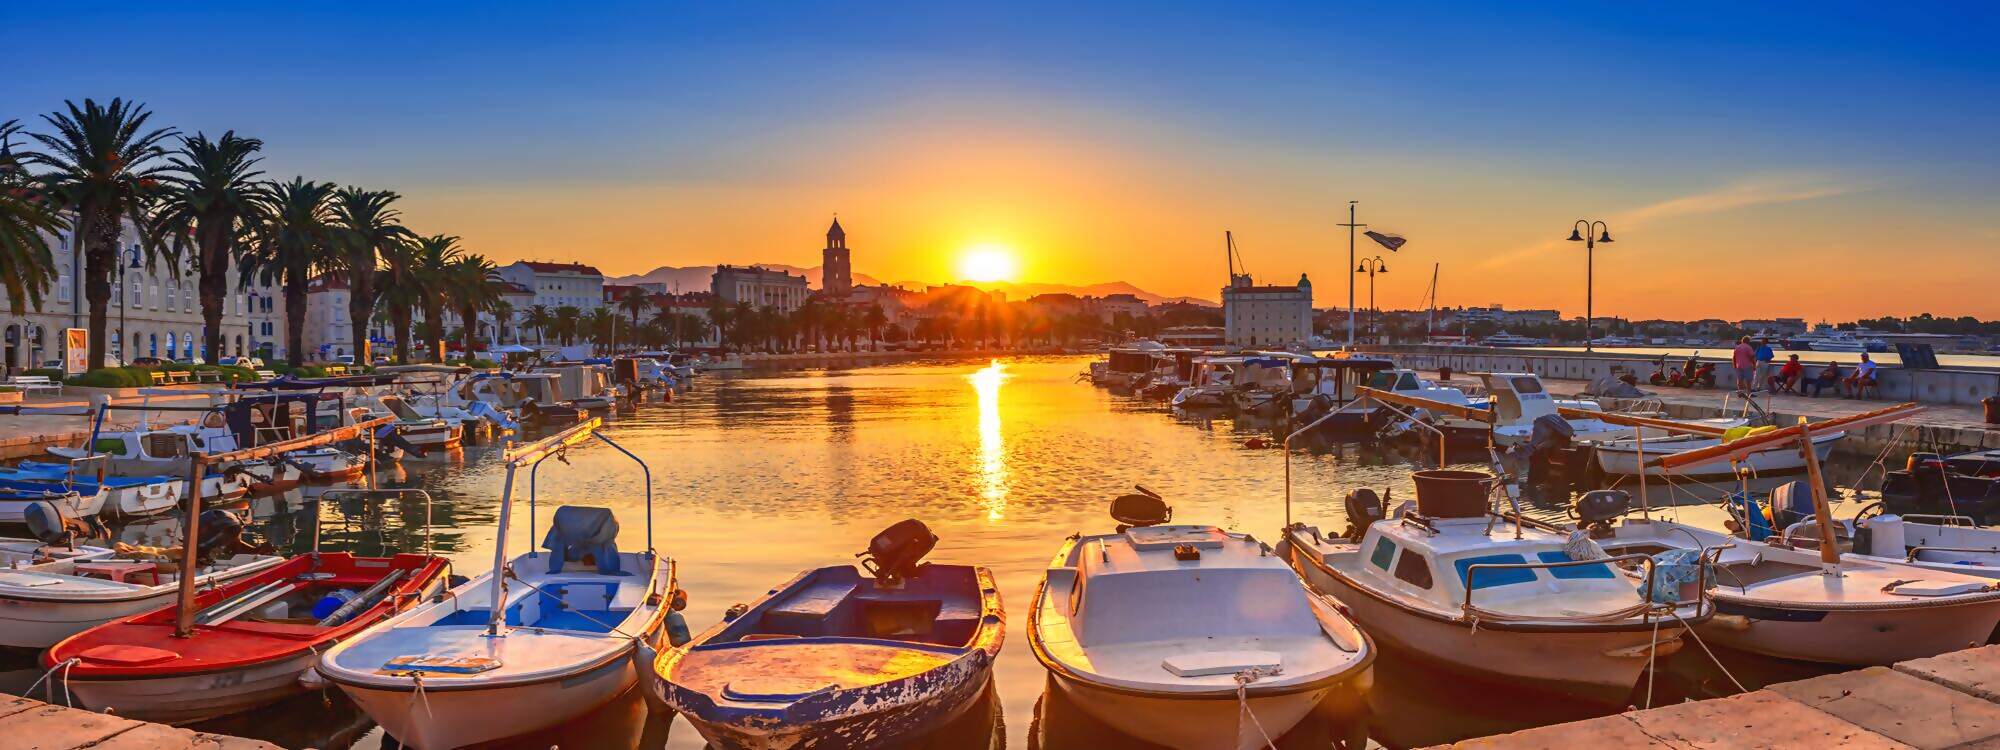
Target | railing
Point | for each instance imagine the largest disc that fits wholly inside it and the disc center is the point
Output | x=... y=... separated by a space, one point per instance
x=1912 y=557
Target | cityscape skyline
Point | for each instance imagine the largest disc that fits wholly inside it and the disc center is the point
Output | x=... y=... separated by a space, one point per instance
x=631 y=138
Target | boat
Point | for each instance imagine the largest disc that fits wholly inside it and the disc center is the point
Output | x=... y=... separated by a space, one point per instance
x=1624 y=457
x=130 y=497
x=1122 y=367
x=54 y=543
x=1518 y=399
x=1954 y=544
x=1173 y=633
x=41 y=607
x=582 y=385
x=1814 y=602
x=425 y=432
x=539 y=640
x=1963 y=484
x=1210 y=383
x=1325 y=389
x=1506 y=339
x=248 y=642
x=844 y=657
x=1449 y=581
x=15 y=502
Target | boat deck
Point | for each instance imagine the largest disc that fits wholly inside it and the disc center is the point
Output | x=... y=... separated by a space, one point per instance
x=1943 y=701
x=49 y=727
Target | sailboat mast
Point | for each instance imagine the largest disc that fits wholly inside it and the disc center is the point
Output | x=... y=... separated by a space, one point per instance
x=1430 y=325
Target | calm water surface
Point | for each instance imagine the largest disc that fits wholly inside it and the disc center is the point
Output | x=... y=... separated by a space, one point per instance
x=757 y=476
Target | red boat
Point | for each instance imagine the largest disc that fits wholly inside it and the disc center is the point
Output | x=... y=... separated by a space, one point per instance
x=252 y=639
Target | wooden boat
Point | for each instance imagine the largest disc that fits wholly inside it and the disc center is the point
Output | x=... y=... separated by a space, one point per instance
x=15 y=501
x=1173 y=634
x=541 y=639
x=41 y=607
x=836 y=659
x=1511 y=605
x=328 y=464
x=130 y=497
x=251 y=641
x=1623 y=458
x=1814 y=602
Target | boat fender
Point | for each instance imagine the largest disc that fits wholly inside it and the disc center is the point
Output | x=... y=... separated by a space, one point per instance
x=1737 y=623
x=312 y=680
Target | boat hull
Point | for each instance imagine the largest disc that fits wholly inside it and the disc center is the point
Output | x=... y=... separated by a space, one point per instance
x=1193 y=723
x=40 y=623
x=440 y=718
x=955 y=689
x=188 y=698
x=1595 y=665
x=1854 y=637
x=14 y=511
x=1623 y=460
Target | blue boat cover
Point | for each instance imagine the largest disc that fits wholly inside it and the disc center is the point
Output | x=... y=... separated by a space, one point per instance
x=577 y=531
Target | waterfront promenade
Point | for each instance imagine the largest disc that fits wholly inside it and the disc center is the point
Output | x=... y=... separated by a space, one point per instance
x=35 y=725
x=1947 y=701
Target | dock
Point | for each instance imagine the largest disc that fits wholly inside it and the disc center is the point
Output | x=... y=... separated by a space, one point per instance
x=35 y=725
x=31 y=435
x=1944 y=701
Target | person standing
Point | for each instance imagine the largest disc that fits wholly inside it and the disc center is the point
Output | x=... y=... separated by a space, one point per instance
x=1744 y=361
x=1764 y=358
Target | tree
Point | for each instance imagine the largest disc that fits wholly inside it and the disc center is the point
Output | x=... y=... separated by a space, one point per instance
x=369 y=229
x=875 y=319
x=27 y=267
x=292 y=243
x=434 y=259
x=635 y=303
x=598 y=325
x=723 y=316
x=211 y=200
x=566 y=324
x=539 y=318
x=103 y=165
x=472 y=283
x=401 y=288
x=503 y=311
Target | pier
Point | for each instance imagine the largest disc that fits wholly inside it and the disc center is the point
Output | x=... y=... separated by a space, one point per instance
x=1944 y=701
x=43 y=726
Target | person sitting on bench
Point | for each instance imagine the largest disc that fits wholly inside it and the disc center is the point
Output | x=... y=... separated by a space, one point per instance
x=1827 y=378
x=1863 y=377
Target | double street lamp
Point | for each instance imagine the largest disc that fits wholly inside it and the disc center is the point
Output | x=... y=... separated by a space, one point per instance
x=1583 y=232
x=1372 y=266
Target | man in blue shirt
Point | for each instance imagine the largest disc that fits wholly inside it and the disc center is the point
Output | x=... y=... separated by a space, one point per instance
x=1764 y=358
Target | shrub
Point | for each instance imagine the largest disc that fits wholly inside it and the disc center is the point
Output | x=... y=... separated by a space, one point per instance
x=47 y=372
x=113 y=377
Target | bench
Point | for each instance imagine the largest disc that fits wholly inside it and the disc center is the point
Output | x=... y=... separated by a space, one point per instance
x=159 y=378
x=34 y=383
x=208 y=376
x=335 y=370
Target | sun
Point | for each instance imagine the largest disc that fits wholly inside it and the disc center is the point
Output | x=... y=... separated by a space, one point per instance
x=987 y=263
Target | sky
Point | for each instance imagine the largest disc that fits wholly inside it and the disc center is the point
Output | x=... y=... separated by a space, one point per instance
x=1825 y=160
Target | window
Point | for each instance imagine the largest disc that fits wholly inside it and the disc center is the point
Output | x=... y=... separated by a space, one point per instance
x=1491 y=577
x=1527 y=385
x=1599 y=570
x=1384 y=550
x=1412 y=568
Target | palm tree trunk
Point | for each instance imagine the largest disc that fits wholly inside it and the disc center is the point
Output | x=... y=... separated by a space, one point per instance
x=214 y=285
x=399 y=316
x=434 y=328
x=295 y=318
x=100 y=258
x=471 y=318
x=361 y=308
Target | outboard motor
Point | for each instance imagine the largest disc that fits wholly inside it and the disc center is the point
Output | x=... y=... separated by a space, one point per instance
x=1790 y=504
x=1548 y=437
x=1364 y=508
x=898 y=552
x=1144 y=508
x=53 y=526
x=222 y=536
x=1595 y=511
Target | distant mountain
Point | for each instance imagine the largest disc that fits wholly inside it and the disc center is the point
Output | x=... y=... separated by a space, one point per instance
x=696 y=279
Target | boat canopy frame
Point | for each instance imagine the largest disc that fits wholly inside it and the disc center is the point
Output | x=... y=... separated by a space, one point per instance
x=531 y=455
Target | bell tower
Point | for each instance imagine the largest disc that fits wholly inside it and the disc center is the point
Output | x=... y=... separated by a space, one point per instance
x=836 y=276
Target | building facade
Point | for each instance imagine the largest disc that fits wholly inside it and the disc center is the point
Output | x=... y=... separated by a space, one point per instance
x=558 y=284
x=154 y=311
x=759 y=286
x=836 y=271
x=1266 y=315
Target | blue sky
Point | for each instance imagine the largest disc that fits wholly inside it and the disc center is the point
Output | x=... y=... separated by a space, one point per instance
x=638 y=135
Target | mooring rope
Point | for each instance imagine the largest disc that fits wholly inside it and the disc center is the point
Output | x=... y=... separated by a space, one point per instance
x=1711 y=654
x=579 y=613
x=1243 y=680
x=62 y=666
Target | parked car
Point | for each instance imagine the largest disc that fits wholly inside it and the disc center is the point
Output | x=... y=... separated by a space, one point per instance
x=250 y=362
x=147 y=362
x=344 y=359
x=190 y=361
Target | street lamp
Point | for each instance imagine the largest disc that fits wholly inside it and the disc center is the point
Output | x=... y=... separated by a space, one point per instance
x=125 y=302
x=1372 y=266
x=1582 y=233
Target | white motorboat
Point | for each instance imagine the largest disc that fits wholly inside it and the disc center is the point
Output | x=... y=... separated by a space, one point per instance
x=1213 y=379
x=427 y=433
x=35 y=555
x=1622 y=458
x=130 y=497
x=15 y=501
x=1517 y=399
x=1952 y=544
x=1450 y=582
x=1504 y=338
x=1173 y=634
x=541 y=639
x=585 y=386
x=328 y=464
x=1123 y=367
x=45 y=605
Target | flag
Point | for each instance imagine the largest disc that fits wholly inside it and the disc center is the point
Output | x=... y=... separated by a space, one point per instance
x=1391 y=241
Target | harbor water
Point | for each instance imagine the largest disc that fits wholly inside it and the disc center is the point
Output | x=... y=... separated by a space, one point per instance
x=759 y=474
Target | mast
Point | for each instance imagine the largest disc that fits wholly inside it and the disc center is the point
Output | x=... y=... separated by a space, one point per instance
x=1351 y=226
x=1430 y=325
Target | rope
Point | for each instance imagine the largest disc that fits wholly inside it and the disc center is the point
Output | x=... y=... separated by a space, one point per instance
x=418 y=695
x=1652 y=653
x=1243 y=680
x=1711 y=654
x=62 y=666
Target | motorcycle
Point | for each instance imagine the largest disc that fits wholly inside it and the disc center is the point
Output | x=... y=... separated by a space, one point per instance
x=1694 y=373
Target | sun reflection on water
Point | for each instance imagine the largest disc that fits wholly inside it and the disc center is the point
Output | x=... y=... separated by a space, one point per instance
x=986 y=384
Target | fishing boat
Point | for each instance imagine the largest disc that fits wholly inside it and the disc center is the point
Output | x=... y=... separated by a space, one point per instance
x=1953 y=544
x=1325 y=389
x=1212 y=381
x=835 y=658
x=538 y=641
x=1122 y=367
x=15 y=502
x=131 y=497
x=1449 y=581
x=1962 y=484
x=583 y=385
x=1624 y=457
x=41 y=607
x=425 y=432
x=54 y=543
x=244 y=644
x=1813 y=602
x=1173 y=634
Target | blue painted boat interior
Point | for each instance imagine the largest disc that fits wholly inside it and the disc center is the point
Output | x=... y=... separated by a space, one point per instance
x=938 y=606
x=580 y=606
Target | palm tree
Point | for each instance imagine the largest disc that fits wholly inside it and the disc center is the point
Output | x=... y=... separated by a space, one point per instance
x=503 y=311
x=472 y=283
x=432 y=269
x=723 y=317
x=26 y=217
x=635 y=303
x=212 y=199
x=598 y=326
x=539 y=318
x=292 y=243
x=401 y=289
x=874 y=319
x=566 y=323
x=103 y=165
x=369 y=229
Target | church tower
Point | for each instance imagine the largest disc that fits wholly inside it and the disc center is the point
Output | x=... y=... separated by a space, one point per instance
x=836 y=276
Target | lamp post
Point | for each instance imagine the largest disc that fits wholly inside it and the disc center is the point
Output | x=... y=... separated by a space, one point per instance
x=1582 y=232
x=125 y=302
x=1372 y=266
